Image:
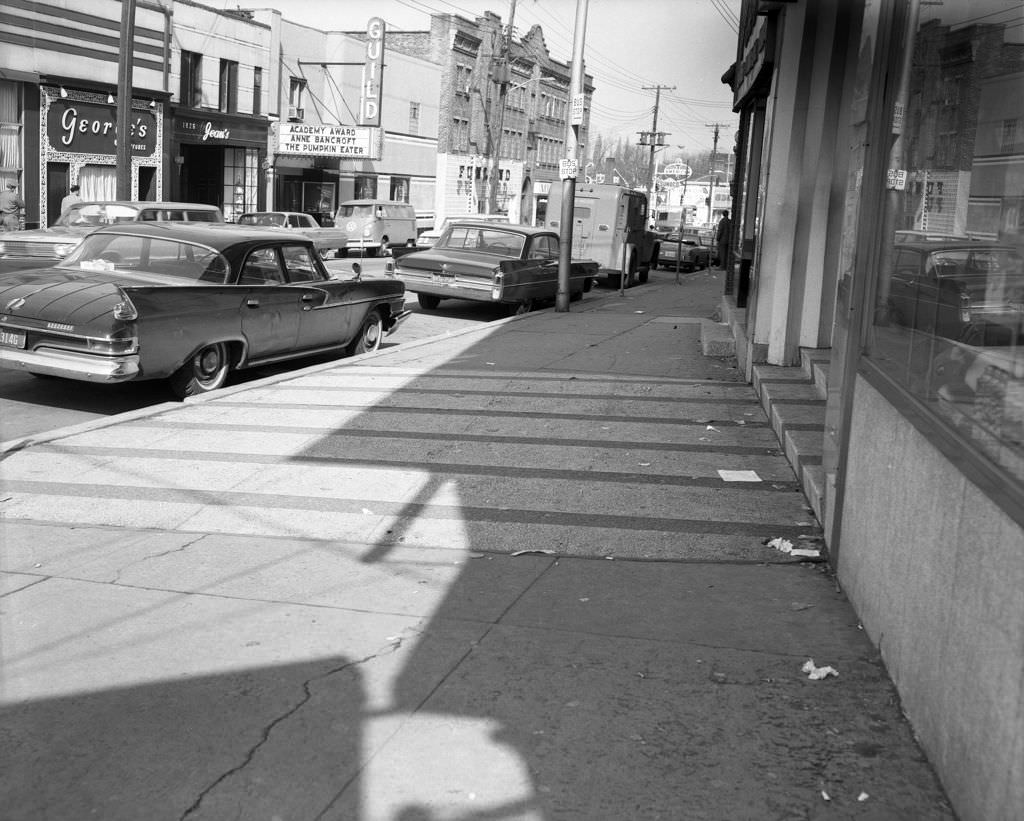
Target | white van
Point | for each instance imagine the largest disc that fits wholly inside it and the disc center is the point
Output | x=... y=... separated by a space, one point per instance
x=374 y=226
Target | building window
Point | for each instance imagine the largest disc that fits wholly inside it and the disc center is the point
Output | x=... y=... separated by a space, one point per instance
x=1009 y=137
x=296 y=98
x=460 y=134
x=191 y=92
x=946 y=333
x=227 y=100
x=463 y=79
x=10 y=134
x=414 y=118
x=257 y=90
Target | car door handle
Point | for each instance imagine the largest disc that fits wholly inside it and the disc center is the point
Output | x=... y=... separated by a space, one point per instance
x=252 y=303
x=308 y=297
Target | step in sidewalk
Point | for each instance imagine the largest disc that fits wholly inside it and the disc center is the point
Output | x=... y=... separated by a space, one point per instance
x=793 y=398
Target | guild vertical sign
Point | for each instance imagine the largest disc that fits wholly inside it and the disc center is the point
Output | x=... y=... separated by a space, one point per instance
x=373 y=74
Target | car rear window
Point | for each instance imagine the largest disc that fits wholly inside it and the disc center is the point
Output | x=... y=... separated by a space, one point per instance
x=484 y=240
x=153 y=255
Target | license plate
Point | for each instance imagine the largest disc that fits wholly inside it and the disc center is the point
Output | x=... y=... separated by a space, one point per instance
x=10 y=339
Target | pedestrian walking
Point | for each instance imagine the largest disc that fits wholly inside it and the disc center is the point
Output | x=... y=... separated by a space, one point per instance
x=722 y=238
x=70 y=199
x=10 y=207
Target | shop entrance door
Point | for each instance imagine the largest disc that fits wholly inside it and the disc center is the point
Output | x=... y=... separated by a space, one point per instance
x=202 y=174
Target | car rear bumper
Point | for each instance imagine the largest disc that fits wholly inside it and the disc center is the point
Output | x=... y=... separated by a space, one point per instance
x=398 y=319
x=482 y=292
x=70 y=365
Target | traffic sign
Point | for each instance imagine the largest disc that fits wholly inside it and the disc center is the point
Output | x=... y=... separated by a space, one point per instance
x=568 y=169
x=577 y=110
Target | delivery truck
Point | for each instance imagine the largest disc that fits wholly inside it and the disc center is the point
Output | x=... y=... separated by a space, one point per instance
x=609 y=227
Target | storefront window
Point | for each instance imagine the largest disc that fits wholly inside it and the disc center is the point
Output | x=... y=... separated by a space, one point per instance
x=98 y=183
x=240 y=181
x=10 y=134
x=948 y=324
x=399 y=189
x=366 y=188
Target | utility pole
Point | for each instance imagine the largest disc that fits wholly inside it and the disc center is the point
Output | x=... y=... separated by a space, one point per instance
x=657 y=139
x=714 y=171
x=569 y=166
x=501 y=71
x=125 y=60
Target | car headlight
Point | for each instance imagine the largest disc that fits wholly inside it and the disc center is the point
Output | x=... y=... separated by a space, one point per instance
x=64 y=248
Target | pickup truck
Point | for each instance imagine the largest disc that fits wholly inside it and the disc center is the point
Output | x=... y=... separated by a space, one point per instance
x=325 y=239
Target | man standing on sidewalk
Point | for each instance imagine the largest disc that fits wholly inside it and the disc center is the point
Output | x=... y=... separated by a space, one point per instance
x=70 y=199
x=10 y=206
x=722 y=239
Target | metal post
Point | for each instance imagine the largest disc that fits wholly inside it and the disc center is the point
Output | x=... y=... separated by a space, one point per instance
x=571 y=153
x=123 y=151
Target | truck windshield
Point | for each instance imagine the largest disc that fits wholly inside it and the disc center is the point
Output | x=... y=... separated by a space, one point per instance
x=347 y=211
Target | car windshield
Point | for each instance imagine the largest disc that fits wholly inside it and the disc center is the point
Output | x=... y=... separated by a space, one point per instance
x=484 y=240
x=261 y=219
x=154 y=255
x=346 y=211
x=96 y=214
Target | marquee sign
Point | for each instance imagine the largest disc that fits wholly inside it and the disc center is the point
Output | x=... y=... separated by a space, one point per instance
x=78 y=127
x=340 y=141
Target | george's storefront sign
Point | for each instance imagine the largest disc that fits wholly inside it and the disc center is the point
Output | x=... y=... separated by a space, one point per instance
x=76 y=127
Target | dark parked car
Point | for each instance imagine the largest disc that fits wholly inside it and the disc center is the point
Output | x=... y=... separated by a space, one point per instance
x=515 y=265
x=693 y=252
x=188 y=303
x=964 y=290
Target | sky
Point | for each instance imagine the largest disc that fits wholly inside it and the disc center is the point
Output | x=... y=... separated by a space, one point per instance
x=630 y=46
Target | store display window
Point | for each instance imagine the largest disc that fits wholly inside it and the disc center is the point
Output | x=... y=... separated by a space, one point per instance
x=947 y=326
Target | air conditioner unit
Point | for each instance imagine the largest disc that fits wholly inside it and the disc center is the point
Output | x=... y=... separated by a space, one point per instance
x=295 y=113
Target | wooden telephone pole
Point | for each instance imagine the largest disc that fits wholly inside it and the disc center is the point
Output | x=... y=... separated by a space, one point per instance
x=501 y=72
x=657 y=140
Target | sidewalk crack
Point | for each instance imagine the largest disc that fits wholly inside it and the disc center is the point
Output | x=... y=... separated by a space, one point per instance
x=307 y=695
x=117 y=575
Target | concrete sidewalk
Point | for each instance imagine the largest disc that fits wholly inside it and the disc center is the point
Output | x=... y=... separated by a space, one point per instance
x=514 y=573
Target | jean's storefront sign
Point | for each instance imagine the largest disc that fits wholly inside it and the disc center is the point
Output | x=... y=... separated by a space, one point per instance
x=223 y=131
x=337 y=141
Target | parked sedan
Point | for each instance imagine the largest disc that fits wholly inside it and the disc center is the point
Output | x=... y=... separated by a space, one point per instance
x=515 y=265
x=29 y=249
x=187 y=303
x=692 y=251
x=325 y=239
x=963 y=290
